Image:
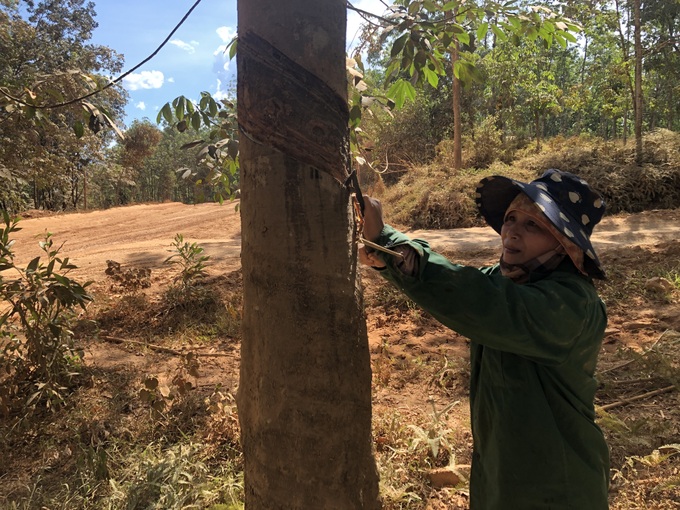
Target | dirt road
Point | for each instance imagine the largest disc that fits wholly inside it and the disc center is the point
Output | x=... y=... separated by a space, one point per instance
x=135 y=236
x=141 y=235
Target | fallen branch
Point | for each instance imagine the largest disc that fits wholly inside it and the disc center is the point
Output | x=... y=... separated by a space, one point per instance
x=647 y=351
x=616 y=367
x=167 y=350
x=625 y=401
x=624 y=382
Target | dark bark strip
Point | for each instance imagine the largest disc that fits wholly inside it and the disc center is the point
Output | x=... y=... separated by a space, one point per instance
x=279 y=109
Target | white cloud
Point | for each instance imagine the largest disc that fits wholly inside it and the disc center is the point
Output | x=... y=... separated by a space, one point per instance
x=221 y=66
x=141 y=106
x=171 y=80
x=188 y=47
x=221 y=61
x=219 y=93
x=226 y=33
x=144 y=80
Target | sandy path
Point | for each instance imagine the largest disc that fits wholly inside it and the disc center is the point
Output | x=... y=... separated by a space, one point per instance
x=140 y=235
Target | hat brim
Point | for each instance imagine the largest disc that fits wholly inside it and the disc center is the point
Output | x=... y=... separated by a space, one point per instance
x=496 y=193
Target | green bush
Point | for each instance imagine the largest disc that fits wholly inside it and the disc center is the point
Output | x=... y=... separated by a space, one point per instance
x=189 y=257
x=38 y=360
x=13 y=195
x=411 y=135
x=479 y=150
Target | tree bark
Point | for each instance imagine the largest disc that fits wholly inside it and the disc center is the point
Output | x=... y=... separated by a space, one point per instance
x=304 y=395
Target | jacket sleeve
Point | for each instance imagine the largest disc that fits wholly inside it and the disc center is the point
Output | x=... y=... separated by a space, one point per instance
x=541 y=321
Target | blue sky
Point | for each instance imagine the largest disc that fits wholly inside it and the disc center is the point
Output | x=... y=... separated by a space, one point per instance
x=193 y=60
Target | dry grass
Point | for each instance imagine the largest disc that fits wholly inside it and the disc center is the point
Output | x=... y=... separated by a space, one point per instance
x=433 y=196
x=107 y=449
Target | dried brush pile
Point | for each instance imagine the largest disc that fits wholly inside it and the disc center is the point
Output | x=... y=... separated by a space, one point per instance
x=611 y=169
x=434 y=197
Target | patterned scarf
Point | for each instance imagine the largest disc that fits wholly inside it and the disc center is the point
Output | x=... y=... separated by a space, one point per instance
x=519 y=273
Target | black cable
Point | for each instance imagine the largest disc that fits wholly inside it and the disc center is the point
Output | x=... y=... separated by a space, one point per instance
x=365 y=14
x=112 y=83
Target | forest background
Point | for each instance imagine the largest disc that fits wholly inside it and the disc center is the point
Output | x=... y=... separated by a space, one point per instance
x=517 y=91
x=526 y=93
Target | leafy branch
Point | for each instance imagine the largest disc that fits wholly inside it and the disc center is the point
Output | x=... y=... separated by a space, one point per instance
x=38 y=356
x=425 y=32
x=215 y=121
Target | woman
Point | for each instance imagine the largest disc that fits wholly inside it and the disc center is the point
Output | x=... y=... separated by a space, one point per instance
x=535 y=324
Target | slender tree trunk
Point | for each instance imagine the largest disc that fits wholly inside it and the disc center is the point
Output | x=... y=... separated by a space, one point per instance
x=304 y=395
x=455 y=99
x=638 y=82
x=75 y=197
x=625 y=125
x=579 y=114
x=585 y=59
x=537 y=124
x=457 y=123
x=85 y=190
x=624 y=40
x=671 y=109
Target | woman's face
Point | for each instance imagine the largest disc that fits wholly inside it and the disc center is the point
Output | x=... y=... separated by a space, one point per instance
x=524 y=238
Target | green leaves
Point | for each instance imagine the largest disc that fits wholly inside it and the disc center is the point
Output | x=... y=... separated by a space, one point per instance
x=482 y=30
x=399 y=44
x=215 y=122
x=432 y=77
x=165 y=113
x=79 y=129
x=191 y=260
x=400 y=91
x=232 y=47
x=98 y=118
x=424 y=33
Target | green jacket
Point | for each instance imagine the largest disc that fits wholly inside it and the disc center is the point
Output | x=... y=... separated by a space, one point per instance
x=533 y=353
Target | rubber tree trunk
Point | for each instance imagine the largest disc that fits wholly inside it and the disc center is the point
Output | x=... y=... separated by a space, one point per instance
x=304 y=395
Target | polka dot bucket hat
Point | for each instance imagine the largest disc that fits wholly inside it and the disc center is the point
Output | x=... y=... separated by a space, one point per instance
x=567 y=201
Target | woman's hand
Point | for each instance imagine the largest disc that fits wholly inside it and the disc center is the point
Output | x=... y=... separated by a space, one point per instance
x=373 y=225
x=373 y=221
x=370 y=258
